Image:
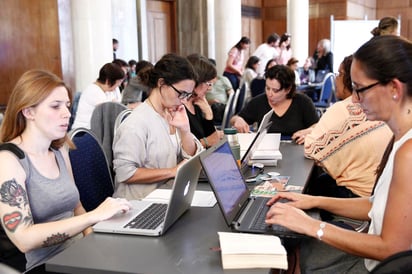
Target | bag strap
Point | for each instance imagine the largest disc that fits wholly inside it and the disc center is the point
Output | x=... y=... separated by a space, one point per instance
x=13 y=148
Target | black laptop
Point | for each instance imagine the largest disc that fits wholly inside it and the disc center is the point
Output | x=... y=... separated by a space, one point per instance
x=242 y=212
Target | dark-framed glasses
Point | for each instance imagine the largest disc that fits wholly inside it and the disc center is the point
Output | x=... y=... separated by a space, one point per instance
x=360 y=90
x=182 y=94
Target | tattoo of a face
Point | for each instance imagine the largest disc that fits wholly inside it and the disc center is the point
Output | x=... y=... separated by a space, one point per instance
x=13 y=194
x=55 y=239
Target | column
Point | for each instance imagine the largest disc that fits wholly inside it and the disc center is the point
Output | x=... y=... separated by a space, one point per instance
x=92 y=39
x=228 y=29
x=298 y=27
x=124 y=28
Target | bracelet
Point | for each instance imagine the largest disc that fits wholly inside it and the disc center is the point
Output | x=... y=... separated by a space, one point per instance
x=320 y=233
x=206 y=142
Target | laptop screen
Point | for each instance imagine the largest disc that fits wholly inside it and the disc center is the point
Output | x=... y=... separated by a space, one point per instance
x=264 y=126
x=225 y=178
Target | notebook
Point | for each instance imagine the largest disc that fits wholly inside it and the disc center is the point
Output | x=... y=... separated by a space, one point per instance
x=241 y=211
x=162 y=215
x=268 y=148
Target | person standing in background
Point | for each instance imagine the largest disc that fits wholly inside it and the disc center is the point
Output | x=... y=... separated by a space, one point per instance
x=285 y=49
x=267 y=51
x=235 y=60
x=115 y=44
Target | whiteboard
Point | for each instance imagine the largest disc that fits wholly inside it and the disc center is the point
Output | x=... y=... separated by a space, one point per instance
x=347 y=36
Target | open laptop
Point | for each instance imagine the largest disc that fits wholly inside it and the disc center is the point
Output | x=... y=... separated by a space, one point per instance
x=241 y=212
x=164 y=214
x=247 y=166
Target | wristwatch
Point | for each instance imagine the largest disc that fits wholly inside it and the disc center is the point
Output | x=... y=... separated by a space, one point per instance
x=320 y=233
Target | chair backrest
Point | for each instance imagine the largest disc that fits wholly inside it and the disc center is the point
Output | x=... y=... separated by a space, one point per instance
x=102 y=124
x=257 y=86
x=91 y=171
x=120 y=118
x=235 y=100
x=241 y=98
x=396 y=264
x=327 y=92
x=73 y=109
x=228 y=111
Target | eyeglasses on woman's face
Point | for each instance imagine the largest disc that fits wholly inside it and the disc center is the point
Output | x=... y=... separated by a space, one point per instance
x=360 y=90
x=182 y=94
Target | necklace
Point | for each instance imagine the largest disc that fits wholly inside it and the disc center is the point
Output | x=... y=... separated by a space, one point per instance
x=172 y=129
x=153 y=106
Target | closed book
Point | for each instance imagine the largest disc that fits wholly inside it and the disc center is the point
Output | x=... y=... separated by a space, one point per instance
x=245 y=250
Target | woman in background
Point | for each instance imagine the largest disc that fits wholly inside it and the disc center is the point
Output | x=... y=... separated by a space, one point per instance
x=285 y=49
x=110 y=78
x=235 y=60
x=387 y=26
x=197 y=107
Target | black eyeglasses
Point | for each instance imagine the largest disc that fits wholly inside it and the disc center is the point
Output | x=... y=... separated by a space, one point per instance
x=360 y=90
x=182 y=94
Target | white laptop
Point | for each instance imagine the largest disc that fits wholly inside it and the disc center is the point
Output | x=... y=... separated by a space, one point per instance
x=164 y=214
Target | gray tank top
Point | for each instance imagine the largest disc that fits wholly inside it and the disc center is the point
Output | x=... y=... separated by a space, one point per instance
x=50 y=200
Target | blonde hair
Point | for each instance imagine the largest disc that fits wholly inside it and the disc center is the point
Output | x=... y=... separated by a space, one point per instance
x=31 y=89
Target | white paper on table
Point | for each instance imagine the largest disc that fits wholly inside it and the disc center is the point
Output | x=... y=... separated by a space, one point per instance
x=201 y=198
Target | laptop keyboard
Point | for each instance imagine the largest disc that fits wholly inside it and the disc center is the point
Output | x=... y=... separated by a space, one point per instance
x=150 y=218
x=258 y=222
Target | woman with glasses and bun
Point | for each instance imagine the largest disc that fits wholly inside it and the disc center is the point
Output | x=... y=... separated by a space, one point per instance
x=381 y=74
x=197 y=107
x=155 y=139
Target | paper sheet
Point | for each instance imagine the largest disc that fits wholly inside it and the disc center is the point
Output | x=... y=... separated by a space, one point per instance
x=200 y=199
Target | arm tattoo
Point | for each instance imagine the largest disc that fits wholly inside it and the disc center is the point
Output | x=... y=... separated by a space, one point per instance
x=13 y=194
x=55 y=239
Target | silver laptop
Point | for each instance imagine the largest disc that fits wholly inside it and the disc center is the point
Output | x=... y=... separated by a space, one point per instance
x=242 y=212
x=150 y=218
x=248 y=169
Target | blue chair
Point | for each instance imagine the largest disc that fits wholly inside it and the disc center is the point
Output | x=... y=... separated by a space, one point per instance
x=90 y=169
x=240 y=98
x=257 y=86
x=327 y=94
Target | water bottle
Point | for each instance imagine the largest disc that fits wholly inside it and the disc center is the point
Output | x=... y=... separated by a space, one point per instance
x=233 y=140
